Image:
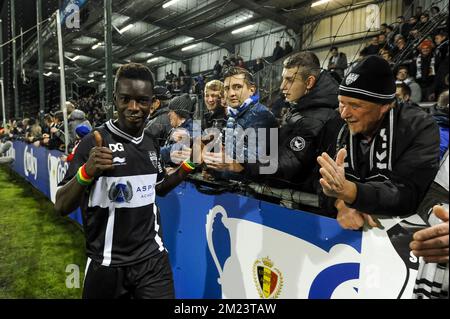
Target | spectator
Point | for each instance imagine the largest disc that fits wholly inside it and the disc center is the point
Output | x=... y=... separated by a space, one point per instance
x=373 y=46
x=392 y=155
x=180 y=117
x=440 y=114
x=244 y=112
x=418 y=12
x=432 y=244
x=441 y=52
x=288 y=49
x=158 y=124
x=403 y=93
x=423 y=68
x=337 y=62
x=434 y=11
x=217 y=70
x=403 y=77
x=259 y=65
x=81 y=131
x=76 y=118
x=312 y=98
x=216 y=114
x=180 y=73
x=278 y=52
x=401 y=52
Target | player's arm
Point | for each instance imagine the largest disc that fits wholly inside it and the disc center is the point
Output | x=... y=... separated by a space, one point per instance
x=173 y=179
x=68 y=196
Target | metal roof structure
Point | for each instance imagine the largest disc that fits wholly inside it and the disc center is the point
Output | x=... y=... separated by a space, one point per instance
x=146 y=31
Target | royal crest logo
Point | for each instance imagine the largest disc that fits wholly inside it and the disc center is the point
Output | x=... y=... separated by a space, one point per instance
x=153 y=158
x=268 y=280
x=352 y=77
x=120 y=193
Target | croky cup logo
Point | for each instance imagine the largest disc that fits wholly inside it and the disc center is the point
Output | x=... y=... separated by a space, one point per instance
x=268 y=280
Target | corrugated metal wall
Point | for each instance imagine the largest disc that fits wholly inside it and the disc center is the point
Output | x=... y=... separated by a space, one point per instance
x=351 y=25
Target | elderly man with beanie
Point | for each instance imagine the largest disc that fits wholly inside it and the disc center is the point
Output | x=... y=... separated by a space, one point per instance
x=386 y=154
x=181 y=109
x=158 y=124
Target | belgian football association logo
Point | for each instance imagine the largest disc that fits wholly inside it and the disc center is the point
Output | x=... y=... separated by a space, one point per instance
x=268 y=280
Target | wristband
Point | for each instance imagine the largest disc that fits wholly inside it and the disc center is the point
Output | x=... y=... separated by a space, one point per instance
x=83 y=178
x=188 y=166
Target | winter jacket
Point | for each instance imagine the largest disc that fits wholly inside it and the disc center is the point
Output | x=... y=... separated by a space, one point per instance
x=301 y=132
x=159 y=125
x=401 y=161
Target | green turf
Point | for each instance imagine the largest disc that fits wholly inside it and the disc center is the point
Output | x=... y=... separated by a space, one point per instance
x=36 y=245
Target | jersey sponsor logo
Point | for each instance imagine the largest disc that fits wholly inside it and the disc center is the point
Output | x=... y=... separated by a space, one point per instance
x=352 y=77
x=119 y=161
x=145 y=191
x=268 y=280
x=116 y=147
x=120 y=193
x=298 y=144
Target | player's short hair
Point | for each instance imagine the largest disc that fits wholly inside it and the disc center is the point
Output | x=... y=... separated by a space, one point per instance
x=134 y=71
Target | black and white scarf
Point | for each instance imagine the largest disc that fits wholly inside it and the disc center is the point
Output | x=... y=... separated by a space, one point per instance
x=419 y=73
x=381 y=149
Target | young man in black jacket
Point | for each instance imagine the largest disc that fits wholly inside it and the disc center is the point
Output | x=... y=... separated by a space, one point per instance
x=312 y=98
x=387 y=153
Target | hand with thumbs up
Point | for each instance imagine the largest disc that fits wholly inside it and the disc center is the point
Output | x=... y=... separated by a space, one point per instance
x=333 y=181
x=100 y=158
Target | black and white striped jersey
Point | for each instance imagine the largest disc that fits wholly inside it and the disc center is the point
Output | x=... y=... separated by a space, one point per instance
x=120 y=218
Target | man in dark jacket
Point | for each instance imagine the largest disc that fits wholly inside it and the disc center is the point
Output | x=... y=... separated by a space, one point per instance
x=387 y=154
x=337 y=62
x=181 y=109
x=159 y=124
x=312 y=97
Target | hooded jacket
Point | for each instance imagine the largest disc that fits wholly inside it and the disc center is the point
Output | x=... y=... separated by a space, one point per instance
x=300 y=134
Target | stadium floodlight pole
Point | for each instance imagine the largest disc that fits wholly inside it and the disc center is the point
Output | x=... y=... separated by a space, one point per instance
x=40 y=57
x=108 y=58
x=3 y=102
x=62 y=81
x=2 y=71
x=14 y=60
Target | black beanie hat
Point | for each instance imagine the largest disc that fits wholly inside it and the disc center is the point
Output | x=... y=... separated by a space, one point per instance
x=161 y=93
x=182 y=105
x=371 y=80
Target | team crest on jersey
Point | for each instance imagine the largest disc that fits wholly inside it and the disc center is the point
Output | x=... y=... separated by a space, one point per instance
x=298 y=144
x=268 y=280
x=120 y=193
x=153 y=158
x=352 y=77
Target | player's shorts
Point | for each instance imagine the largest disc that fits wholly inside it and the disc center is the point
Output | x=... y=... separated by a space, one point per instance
x=150 y=279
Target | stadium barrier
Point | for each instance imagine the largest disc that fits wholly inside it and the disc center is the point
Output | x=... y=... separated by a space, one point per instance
x=233 y=246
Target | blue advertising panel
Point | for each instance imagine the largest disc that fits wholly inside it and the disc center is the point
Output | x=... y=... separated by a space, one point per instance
x=233 y=246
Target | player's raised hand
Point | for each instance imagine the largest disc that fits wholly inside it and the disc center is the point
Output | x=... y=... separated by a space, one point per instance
x=100 y=158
